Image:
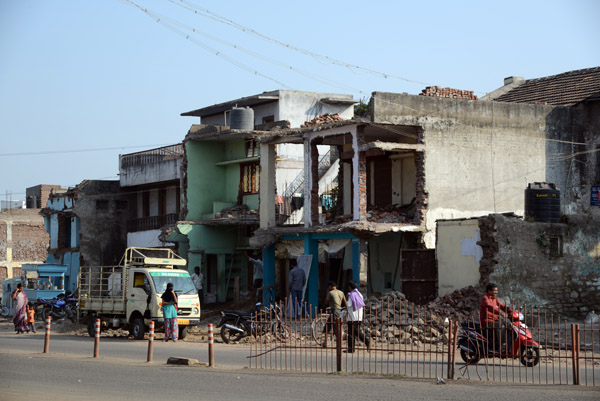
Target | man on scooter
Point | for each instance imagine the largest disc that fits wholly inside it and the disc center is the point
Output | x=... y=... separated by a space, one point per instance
x=489 y=317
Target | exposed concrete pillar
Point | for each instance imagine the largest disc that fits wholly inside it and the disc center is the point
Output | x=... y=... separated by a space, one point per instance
x=314 y=183
x=267 y=186
x=307 y=183
x=359 y=178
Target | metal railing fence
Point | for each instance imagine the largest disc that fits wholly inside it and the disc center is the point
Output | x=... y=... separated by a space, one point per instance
x=397 y=337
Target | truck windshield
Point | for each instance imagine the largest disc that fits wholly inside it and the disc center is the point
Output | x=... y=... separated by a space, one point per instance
x=182 y=282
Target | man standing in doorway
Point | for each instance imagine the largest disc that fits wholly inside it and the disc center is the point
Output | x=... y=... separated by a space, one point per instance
x=198 y=279
x=296 y=280
x=257 y=276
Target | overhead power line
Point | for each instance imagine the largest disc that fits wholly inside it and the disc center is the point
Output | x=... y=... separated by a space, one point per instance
x=57 y=152
x=216 y=17
x=176 y=26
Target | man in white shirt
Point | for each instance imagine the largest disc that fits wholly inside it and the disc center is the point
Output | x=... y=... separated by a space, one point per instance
x=355 y=305
x=198 y=279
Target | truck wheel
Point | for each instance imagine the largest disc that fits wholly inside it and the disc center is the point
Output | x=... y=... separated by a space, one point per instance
x=183 y=332
x=91 y=327
x=138 y=328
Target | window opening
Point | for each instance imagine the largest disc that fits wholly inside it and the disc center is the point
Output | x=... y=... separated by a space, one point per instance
x=102 y=205
x=555 y=246
x=249 y=177
x=251 y=148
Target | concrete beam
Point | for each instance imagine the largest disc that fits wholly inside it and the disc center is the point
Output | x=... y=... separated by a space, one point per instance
x=391 y=146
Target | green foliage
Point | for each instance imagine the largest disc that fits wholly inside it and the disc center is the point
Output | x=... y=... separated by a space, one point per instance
x=362 y=109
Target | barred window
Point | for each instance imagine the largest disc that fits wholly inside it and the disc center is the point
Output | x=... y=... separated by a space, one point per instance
x=251 y=148
x=249 y=177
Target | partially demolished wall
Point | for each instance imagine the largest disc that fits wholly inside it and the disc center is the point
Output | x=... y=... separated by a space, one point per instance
x=553 y=266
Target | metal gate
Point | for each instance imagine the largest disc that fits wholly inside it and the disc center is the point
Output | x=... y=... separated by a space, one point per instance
x=419 y=275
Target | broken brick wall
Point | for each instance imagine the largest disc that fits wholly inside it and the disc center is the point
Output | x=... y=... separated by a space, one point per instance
x=103 y=234
x=552 y=266
x=29 y=242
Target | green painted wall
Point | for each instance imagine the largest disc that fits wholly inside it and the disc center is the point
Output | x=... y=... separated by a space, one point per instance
x=205 y=181
x=207 y=184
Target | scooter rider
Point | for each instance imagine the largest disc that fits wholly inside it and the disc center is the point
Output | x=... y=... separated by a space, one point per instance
x=489 y=316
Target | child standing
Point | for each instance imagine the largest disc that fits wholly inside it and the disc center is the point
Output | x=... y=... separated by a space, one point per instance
x=30 y=318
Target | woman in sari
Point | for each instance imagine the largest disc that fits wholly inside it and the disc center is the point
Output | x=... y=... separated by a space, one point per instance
x=20 y=309
x=169 y=304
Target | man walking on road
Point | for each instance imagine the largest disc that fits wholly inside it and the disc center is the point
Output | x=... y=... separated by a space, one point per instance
x=296 y=280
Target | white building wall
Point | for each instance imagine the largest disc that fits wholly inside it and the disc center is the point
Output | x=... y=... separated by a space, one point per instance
x=145 y=239
x=458 y=255
x=479 y=156
x=299 y=107
x=150 y=173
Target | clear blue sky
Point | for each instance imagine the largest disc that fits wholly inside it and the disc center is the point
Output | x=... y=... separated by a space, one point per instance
x=101 y=74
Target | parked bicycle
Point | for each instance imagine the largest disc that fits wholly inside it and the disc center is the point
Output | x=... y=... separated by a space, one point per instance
x=319 y=326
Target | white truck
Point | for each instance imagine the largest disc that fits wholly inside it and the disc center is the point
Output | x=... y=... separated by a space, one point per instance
x=129 y=295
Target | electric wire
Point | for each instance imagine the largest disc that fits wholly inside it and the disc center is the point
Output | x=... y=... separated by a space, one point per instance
x=216 y=17
x=57 y=152
x=175 y=26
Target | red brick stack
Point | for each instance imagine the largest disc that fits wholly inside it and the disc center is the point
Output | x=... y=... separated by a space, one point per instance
x=436 y=91
x=327 y=118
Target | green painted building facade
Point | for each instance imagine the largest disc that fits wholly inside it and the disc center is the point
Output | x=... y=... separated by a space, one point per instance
x=213 y=238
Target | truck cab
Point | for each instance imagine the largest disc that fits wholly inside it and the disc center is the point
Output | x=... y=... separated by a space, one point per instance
x=129 y=295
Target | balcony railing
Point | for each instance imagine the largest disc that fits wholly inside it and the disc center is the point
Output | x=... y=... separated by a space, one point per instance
x=151 y=222
x=152 y=156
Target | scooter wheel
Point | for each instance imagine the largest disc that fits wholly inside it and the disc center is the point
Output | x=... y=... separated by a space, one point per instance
x=530 y=356
x=228 y=335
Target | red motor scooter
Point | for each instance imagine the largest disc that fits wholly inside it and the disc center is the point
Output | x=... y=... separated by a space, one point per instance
x=473 y=344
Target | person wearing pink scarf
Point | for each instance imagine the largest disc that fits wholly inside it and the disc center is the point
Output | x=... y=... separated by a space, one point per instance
x=355 y=305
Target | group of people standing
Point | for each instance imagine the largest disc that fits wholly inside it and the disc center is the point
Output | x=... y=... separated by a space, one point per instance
x=354 y=304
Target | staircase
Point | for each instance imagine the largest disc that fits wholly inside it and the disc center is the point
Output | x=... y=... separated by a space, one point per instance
x=325 y=163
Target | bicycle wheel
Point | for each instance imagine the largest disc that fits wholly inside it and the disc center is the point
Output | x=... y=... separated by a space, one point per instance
x=317 y=329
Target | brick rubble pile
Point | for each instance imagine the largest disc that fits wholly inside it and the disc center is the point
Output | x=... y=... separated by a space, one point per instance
x=459 y=305
x=326 y=118
x=436 y=91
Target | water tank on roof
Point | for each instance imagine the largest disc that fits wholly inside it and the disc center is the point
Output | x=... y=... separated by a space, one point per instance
x=542 y=202
x=242 y=118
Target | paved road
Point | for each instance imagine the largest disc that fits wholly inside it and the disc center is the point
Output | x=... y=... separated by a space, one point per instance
x=126 y=349
x=69 y=372
x=59 y=377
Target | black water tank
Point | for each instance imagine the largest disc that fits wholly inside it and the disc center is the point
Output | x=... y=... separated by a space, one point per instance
x=542 y=202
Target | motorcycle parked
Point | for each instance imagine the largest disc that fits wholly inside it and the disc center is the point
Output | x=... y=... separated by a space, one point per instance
x=58 y=308
x=235 y=324
x=473 y=344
